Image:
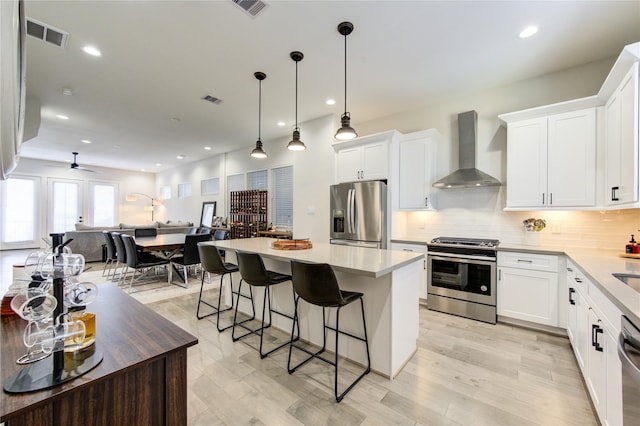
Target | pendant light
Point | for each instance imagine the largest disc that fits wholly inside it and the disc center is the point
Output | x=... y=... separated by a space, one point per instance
x=296 y=144
x=258 y=152
x=346 y=131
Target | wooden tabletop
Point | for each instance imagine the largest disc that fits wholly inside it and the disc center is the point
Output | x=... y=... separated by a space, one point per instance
x=127 y=333
x=161 y=242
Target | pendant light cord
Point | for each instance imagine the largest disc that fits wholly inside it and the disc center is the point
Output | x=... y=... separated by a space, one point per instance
x=296 y=95
x=259 y=107
x=345 y=73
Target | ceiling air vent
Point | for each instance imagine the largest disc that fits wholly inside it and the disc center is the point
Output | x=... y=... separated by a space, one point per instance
x=47 y=33
x=252 y=7
x=212 y=99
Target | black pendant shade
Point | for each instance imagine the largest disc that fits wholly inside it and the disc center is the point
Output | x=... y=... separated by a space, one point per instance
x=345 y=132
x=296 y=144
x=258 y=152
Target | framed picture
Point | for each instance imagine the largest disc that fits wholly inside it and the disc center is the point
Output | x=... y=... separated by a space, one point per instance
x=208 y=213
x=217 y=221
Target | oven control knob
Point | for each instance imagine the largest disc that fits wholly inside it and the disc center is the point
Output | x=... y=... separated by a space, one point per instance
x=484 y=288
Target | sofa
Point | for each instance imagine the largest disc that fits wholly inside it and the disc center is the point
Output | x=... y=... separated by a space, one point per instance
x=88 y=240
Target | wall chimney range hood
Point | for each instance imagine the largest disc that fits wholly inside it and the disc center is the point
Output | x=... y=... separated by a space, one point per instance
x=467 y=176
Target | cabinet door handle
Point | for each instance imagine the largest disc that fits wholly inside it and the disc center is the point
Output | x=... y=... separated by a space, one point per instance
x=569 y=269
x=525 y=260
x=543 y=198
x=614 y=193
x=571 y=291
x=550 y=198
x=499 y=274
x=578 y=280
x=426 y=201
x=595 y=329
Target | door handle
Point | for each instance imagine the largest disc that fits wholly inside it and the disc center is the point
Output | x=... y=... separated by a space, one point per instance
x=595 y=329
x=614 y=193
x=571 y=291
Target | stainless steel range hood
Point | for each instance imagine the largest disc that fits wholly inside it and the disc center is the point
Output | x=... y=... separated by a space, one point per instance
x=467 y=176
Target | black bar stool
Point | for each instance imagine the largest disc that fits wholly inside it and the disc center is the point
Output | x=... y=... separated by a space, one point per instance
x=254 y=273
x=213 y=264
x=316 y=284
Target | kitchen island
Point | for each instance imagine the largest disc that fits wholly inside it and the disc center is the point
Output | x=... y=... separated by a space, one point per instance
x=388 y=279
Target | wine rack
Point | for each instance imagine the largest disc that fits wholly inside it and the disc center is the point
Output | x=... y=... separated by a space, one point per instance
x=248 y=213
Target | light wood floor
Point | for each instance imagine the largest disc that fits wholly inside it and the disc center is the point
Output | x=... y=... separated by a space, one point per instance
x=464 y=372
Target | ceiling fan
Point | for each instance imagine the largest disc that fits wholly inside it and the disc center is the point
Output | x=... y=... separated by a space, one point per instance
x=76 y=166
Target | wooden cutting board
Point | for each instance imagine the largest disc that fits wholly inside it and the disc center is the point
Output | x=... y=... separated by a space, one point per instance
x=292 y=244
x=630 y=255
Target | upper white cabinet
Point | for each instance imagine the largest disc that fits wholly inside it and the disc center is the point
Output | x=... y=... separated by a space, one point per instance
x=621 y=130
x=415 y=166
x=364 y=158
x=551 y=161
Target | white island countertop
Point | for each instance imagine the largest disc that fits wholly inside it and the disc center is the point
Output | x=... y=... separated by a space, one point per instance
x=359 y=260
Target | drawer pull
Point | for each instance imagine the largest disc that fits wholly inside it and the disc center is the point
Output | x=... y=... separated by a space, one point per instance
x=571 y=291
x=525 y=260
x=578 y=280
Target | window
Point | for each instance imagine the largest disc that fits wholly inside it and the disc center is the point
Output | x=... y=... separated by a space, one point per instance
x=20 y=218
x=210 y=186
x=257 y=180
x=235 y=183
x=165 y=193
x=282 y=198
x=103 y=198
x=65 y=206
x=184 y=190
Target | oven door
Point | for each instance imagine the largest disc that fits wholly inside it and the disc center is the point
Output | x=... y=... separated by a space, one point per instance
x=468 y=279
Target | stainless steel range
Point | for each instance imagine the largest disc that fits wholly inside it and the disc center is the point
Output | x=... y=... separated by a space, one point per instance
x=462 y=277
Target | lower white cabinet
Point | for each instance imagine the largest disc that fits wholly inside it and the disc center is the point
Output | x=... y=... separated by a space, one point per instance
x=416 y=248
x=528 y=287
x=593 y=337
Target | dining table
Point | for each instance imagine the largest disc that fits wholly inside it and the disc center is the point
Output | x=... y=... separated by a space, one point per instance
x=168 y=245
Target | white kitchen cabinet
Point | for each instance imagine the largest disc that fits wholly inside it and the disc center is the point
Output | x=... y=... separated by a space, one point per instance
x=621 y=142
x=365 y=158
x=416 y=166
x=593 y=327
x=416 y=248
x=551 y=161
x=528 y=287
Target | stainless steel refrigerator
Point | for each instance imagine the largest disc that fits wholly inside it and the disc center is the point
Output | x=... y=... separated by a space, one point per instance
x=359 y=214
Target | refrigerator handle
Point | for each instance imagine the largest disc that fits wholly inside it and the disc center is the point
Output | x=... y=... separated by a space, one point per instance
x=354 y=213
x=349 y=211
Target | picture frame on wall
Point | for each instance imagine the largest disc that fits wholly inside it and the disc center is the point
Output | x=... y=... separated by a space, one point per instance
x=208 y=213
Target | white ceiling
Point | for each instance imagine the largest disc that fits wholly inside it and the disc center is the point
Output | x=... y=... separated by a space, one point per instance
x=160 y=57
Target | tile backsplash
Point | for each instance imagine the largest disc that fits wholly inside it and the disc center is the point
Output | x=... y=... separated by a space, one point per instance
x=455 y=218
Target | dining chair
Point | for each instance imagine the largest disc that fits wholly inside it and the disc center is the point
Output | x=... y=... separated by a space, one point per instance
x=111 y=259
x=143 y=264
x=190 y=255
x=145 y=232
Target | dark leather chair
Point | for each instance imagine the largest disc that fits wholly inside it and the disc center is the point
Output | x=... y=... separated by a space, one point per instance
x=220 y=234
x=316 y=283
x=212 y=263
x=254 y=273
x=145 y=232
x=190 y=255
x=121 y=257
x=111 y=259
x=138 y=263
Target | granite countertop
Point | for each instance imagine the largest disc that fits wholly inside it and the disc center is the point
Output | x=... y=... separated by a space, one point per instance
x=595 y=264
x=358 y=260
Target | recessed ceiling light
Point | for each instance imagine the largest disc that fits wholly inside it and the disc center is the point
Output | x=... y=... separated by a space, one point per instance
x=175 y=119
x=281 y=123
x=207 y=148
x=85 y=141
x=330 y=102
x=158 y=164
x=67 y=92
x=180 y=157
x=62 y=117
x=91 y=51
x=528 y=32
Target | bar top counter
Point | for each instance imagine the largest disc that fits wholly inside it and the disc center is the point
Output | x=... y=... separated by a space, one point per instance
x=358 y=260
